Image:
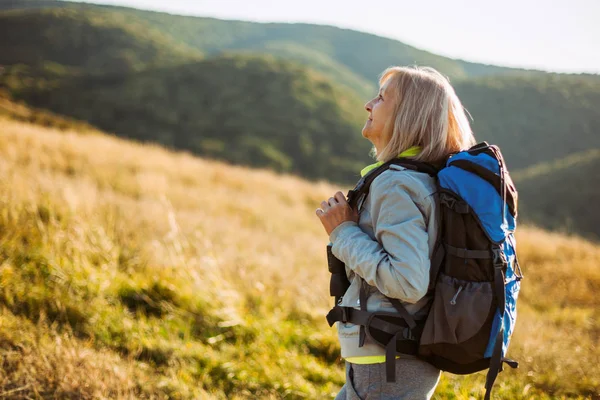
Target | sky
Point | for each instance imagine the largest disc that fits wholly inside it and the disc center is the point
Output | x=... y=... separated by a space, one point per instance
x=551 y=35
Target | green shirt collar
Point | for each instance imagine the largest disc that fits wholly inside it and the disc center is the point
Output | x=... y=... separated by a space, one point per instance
x=411 y=152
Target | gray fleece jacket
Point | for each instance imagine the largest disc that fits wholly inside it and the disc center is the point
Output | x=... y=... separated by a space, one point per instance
x=390 y=248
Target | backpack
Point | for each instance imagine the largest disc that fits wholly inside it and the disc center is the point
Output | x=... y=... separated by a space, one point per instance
x=474 y=276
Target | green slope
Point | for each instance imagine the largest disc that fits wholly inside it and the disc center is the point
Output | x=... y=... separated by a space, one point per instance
x=563 y=194
x=318 y=61
x=91 y=41
x=251 y=110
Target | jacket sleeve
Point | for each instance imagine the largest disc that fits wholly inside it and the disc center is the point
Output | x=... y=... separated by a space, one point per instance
x=397 y=262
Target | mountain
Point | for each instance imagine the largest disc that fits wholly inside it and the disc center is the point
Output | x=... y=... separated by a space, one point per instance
x=251 y=110
x=129 y=271
x=285 y=96
x=563 y=194
x=86 y=41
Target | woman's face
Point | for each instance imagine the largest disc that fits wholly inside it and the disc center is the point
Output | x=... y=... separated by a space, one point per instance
x=380 y=110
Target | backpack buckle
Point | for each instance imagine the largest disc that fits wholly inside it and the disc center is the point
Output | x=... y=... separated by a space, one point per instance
x=499 y=258
x=452 y=203
x=338 y=314
x=345 y=315
x=447 y=201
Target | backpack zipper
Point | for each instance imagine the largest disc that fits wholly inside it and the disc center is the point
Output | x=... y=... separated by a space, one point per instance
x=453 y=301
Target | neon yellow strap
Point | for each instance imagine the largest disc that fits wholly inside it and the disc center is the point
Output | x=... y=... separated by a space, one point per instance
x=413 y=151
x=367 y=359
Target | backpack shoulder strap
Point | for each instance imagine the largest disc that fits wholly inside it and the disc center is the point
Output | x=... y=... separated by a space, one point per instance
x=419 y=166
x=361 y=190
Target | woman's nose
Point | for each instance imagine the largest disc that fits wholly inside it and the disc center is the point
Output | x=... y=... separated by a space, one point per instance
x=368 y=106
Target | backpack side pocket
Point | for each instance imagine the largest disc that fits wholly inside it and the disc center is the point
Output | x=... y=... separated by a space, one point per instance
x=460 y=319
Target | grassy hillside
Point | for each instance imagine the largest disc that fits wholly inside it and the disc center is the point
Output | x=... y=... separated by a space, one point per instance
x=563 y=195
x=97 y=41
x=249 y=110
x=128 y=271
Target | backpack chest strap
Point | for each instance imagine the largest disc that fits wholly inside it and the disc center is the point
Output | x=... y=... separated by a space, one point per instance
x=466 y=253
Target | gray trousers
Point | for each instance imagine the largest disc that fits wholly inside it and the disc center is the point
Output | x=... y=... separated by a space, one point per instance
x=415 y=380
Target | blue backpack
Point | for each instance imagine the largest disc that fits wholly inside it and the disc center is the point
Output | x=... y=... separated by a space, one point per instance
x=474 y=277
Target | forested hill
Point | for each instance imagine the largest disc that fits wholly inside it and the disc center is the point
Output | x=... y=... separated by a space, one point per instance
x=262 y=111
x=535 y=118
x=250 y=110
x=563 y=194
x=87 y=41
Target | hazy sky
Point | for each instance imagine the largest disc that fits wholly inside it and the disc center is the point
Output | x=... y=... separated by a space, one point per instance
x=561 y=36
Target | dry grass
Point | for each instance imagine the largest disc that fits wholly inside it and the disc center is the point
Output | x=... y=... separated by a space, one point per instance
x=127 y=271
x=38 y=362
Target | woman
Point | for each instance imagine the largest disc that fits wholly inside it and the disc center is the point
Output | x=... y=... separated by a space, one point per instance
x=389 y=242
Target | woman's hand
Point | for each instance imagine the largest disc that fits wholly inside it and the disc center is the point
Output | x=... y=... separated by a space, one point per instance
x=335 y=211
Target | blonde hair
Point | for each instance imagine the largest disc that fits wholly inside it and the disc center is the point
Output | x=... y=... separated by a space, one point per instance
x=428 y=114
